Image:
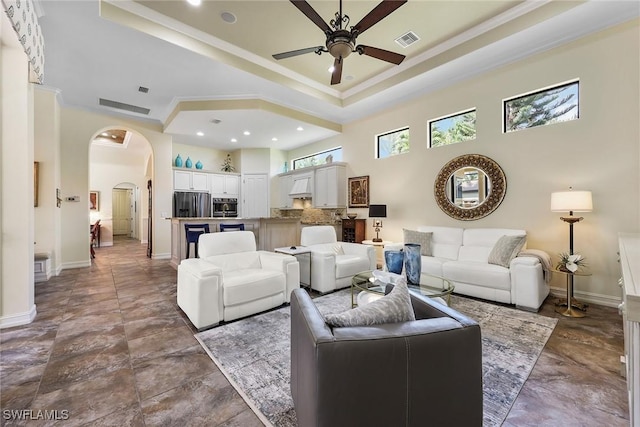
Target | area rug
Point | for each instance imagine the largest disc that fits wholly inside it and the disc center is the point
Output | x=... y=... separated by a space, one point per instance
x=253 y=353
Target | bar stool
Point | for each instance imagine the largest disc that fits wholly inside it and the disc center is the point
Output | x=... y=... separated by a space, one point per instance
x=192 y=232
x=232 y=227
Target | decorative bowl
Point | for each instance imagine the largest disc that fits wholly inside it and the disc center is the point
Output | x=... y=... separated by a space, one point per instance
x=352 y=215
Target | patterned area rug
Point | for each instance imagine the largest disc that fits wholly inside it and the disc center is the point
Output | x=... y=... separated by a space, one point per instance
x=253 y=353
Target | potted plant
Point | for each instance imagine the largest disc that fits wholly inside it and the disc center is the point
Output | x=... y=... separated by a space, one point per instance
x=571 y=262
x=226 y=165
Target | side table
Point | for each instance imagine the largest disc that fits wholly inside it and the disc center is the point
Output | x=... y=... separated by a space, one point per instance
x=566 y=307
x=379 y=249
x=302 y=253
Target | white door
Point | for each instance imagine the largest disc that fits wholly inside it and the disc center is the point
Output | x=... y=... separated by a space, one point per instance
x=122 y=211
x=255 y=196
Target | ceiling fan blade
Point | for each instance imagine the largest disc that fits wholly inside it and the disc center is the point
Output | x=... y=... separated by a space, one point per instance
x=377 y=14
x=336 y=75
x=310 y=13
x=289 y=54
x=384 y=55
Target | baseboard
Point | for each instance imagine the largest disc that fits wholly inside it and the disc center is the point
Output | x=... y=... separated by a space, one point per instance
x=76 y=264
x=144 y=242
x=105 y=244
x=161 y=256
x=58 y=270
x=589 y=297
x=18 y=319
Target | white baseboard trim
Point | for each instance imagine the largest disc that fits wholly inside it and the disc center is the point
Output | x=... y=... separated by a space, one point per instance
x=590 y=297
x=105 y=244
x=76 y=264
x=161 y=256
x=58 y=270
x=18 y=319
x=144 y=242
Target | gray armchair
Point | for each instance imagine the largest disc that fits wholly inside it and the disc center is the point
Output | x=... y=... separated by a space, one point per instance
x=419 y=373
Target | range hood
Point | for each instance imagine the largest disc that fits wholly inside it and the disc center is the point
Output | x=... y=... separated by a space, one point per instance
x=301 y=188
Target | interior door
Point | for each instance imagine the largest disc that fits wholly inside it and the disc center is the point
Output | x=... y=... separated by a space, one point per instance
x=255 y=196
x=122 y=211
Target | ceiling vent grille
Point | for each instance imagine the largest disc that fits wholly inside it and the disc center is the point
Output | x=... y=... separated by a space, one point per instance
x=123 y=106
x=407 y=39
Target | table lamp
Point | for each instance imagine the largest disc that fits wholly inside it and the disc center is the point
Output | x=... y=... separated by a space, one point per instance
x=377 y=211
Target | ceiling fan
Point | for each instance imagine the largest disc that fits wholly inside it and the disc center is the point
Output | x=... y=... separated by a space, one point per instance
x=341 y=42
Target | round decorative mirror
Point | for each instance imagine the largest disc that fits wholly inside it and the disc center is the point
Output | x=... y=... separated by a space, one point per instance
x=470 y=187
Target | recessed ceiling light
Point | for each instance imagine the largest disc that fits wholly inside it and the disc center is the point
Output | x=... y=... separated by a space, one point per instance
x=299 y=128
x=200 y=133
x=113 y=136
x=194 y=2
x=228 y=17
x=234 y=140
x=246 y=132
x=274 y=139
x=104 y=134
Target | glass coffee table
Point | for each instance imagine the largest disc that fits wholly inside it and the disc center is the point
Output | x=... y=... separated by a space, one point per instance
x=430 y=286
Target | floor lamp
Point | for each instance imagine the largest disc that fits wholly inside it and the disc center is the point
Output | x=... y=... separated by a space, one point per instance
x=571 y=201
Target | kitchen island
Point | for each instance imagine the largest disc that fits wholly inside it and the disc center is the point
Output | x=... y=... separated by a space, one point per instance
x=270 y=233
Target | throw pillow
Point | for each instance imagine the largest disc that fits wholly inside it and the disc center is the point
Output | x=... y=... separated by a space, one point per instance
x=506 y=249
x=419 y=237
x=392 y=308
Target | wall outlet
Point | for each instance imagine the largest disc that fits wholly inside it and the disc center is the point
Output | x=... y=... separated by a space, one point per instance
x=72 y=199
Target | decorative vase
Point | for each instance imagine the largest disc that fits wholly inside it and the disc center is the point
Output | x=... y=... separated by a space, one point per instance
x=412 y=263
x=285 y=168
x=188 y=163
x=394 y=261
x=199 y=165
x=178 y=162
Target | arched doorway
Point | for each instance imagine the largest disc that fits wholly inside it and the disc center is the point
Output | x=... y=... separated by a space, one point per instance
x=120 y=165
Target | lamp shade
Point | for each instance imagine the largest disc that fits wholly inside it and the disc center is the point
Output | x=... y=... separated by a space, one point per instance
x=571 y=201
x=377 y=211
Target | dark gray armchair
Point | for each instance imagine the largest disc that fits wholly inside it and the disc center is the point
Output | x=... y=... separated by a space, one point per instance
x=426 y=372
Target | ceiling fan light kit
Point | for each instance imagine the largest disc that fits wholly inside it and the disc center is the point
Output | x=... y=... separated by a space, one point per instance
x=340 y=43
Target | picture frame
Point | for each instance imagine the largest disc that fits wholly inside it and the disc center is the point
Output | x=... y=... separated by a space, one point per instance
x=36 y=174
x=359 y=192
x=94 y=200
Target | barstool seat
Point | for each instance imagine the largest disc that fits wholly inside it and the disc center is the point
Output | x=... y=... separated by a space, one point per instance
x=232 y=227
x=193 y=232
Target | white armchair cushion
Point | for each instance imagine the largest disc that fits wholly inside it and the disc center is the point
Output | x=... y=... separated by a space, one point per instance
x=231 y=242
x=241 y=286
x=237 y=261
x=315 y=235
x=350 y=265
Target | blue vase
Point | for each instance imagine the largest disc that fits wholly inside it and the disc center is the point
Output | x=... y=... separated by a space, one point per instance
x=188 y=163
x=412 y=263
x=199 y=165
x=394 y=261
x=178 y=162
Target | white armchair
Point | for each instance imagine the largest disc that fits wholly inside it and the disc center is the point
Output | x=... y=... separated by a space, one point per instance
x=231 y=279
x=334 y=263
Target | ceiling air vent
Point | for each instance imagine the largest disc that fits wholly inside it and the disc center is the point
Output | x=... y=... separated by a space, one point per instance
x=143 y=89
x=407 y=39
x=123 y=106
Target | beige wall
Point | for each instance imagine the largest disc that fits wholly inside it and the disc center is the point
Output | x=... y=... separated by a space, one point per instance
x=598 y=152
x=17 y=305
x=211 y=158
x=47 y=153
x=77 y=130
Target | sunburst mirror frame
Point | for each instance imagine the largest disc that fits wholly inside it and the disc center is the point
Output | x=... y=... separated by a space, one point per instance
x=490 y=168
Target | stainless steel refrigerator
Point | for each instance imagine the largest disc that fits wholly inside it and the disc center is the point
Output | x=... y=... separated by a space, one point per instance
x=188 y=204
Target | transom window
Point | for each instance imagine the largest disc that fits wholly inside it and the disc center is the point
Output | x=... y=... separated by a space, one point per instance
x=328 y=156
x=542 y=107
x=452 y=129
x=392 y=143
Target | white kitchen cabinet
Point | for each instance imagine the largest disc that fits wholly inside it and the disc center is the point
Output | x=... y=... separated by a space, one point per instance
x=284 y=185
x=330 y=187
x=223 y=185
x=184 y=180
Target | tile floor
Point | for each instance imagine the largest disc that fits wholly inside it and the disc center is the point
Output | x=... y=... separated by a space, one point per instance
x=110 y=346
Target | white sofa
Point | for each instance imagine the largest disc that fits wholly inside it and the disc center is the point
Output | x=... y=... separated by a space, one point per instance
x=333 y=263
x=461 y=256
x=231 y=279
